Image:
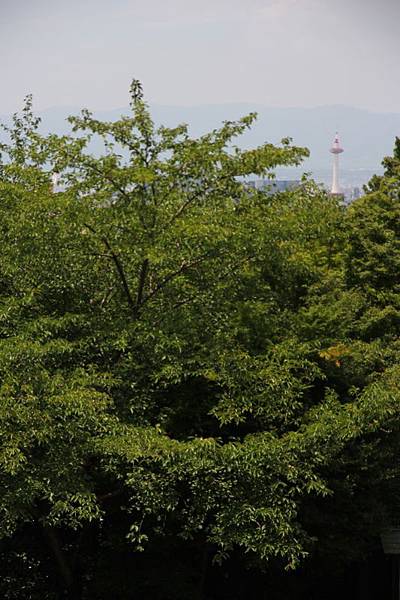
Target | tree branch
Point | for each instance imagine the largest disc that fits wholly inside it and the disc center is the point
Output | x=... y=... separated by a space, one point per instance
x=142 y=280
x=118 y=266
x=194 y=197
x=184 y=267
x=189 y=299
x=109 y=495
x=183 y=206
x=118 y=187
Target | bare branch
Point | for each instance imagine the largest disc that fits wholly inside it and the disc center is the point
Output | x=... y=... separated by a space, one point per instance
x=142 y=280
x=185 y=266
x=118 y=266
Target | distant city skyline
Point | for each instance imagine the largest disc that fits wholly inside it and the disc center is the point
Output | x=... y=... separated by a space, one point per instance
x=281 y=53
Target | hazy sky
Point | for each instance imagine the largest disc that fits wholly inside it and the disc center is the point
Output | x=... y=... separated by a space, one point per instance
x=272 y=52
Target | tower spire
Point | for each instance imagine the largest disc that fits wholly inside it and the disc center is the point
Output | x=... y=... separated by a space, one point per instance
x=336 y=149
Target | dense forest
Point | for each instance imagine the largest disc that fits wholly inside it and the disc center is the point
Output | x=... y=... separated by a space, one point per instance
x=199 y=393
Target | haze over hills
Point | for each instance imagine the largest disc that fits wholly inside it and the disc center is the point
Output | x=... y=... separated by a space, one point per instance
x=366 y=136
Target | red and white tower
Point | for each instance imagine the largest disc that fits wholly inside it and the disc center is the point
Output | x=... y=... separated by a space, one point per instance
x=336 y=149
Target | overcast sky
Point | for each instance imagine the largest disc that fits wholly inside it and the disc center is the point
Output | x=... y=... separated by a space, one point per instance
x=272 y=52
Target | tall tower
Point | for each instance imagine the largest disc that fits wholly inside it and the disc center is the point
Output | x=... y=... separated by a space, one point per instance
x=336 y=149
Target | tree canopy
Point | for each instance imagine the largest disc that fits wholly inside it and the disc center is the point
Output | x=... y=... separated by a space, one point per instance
x=188 y=364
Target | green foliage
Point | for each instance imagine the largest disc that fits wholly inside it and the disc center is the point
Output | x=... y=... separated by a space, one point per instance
x=182 y=357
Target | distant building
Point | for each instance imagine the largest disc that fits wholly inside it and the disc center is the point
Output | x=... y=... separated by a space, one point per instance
x=273 y=185
x=349 y=193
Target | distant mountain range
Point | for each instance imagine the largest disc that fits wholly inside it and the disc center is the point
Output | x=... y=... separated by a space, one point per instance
x=366 y=136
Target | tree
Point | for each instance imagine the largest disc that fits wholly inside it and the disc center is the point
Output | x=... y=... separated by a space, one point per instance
x=355 y=315
x=157 y=381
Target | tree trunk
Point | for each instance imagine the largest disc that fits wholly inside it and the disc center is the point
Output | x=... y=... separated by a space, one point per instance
x=68 y=581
